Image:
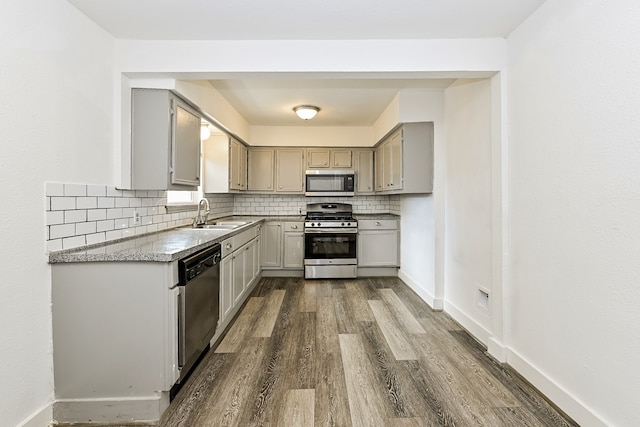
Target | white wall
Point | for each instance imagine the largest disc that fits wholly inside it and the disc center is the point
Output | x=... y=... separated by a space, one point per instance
x=574 y=91
x=468 y=199
x=327 y=136
x=57 y=114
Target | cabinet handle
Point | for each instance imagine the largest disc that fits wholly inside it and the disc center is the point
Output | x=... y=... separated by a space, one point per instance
x=228 y=246
x=280 y=187
x=378 y=223
x=294 y=226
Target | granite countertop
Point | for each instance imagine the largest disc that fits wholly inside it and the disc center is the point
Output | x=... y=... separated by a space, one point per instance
x=376 y=216
x=164 y=246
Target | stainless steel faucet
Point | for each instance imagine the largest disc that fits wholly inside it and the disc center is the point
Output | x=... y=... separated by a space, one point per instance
x=201 y=218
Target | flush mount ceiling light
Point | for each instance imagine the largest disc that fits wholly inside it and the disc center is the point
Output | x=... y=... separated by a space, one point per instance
x=306 y=112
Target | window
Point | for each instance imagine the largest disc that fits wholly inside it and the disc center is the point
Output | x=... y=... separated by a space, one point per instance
x=184 y=197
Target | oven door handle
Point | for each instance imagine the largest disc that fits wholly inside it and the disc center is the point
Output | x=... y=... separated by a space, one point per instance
x=331 y=230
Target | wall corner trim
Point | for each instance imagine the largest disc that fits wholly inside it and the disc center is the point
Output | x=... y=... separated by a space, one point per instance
x=433 y=302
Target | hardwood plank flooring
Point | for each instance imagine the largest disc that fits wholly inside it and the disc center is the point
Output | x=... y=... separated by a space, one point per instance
x=357 y=352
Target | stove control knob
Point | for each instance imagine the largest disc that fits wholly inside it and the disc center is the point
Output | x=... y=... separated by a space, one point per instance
x=349 y=224
x=343 y=224
x=312 y=224
x=318 y=224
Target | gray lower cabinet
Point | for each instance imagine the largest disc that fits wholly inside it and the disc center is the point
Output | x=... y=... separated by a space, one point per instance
x=378 y=243
x=238 y=270
x=115 y=335
x=283 y=245
x=293 y=255
x=271 y=244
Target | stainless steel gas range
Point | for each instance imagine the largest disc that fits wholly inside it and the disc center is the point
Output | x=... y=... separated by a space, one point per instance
x=330 y=235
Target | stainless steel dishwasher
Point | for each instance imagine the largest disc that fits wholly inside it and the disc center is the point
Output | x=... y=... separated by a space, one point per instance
x=199 y=305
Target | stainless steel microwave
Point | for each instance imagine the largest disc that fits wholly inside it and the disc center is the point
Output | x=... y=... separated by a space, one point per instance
x=330 y=182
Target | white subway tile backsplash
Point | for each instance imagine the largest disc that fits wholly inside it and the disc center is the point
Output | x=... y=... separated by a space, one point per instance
x=85 y=228
x=103 y=213
x=63 y=230
x=63 y=203
x=105 y=225
x=73 y=242
x=113 y=192
x=75 y=216
x=75 y=190
x=95 y=238
x=114 y=213
x=86 y=202
x=96 y=190
x=54 y=189
x=55 y=217
x=96 y=214
x=122 y=202
x=106 y=202
x=54 y=245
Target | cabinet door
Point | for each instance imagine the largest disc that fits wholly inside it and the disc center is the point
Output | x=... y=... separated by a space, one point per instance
x=247 y=264
x=378 y=248
x=257 y=250
x=379 y=161
x=341 y=159
x=185 y=145
x=318 y=158
x=364 y=171
x=387 y=167
x=271 y=245
x=289 y=170
x=261 y=162
x=238 y=275
x=235 y=160
x=293 y=250
x=226 y=287
x=243 y=167
x=396 y=161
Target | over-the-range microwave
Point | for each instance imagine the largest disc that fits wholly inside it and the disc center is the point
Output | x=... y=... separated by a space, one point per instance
x=330 y=182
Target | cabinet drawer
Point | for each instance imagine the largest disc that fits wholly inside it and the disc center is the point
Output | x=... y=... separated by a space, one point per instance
x=293 y=226
x=244 y=237
x=377 y=224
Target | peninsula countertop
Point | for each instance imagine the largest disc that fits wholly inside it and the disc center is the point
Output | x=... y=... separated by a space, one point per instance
x=163 y=246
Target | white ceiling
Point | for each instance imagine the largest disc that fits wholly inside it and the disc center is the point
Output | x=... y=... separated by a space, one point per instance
x=352 y=102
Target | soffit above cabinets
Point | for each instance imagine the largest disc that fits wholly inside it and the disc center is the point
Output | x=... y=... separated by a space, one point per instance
x=342 y=102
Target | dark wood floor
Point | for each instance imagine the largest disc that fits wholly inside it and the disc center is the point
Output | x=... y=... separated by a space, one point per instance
x=361 y=352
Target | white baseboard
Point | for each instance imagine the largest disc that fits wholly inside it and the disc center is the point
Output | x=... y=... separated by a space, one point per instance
x=41 y=418
x=111 y=410
x=497 y=350
x=473 y=327
x=433 y=302
x=570 y=404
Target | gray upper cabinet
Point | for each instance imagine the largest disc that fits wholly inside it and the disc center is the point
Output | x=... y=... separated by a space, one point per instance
x=363 y=161
x=225 y=165
x=320 y=158
x=261 y=167
x=289 y=170
x=404 y=160
x=165 y=141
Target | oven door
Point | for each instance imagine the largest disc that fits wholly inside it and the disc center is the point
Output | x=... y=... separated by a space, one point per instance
x=330 y=246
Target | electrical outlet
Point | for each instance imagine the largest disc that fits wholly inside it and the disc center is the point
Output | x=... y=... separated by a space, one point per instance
x=136 y=218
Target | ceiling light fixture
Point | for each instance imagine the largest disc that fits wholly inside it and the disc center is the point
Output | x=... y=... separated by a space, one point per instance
x=306 y=112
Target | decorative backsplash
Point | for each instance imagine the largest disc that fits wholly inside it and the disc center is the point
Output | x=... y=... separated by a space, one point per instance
x=266 y=205
x=79 y=214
